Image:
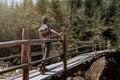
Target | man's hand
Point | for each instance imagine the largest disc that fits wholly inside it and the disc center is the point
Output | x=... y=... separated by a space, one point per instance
x=61 y=34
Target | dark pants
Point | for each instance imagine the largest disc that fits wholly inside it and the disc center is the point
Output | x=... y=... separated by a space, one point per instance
x=46 y=51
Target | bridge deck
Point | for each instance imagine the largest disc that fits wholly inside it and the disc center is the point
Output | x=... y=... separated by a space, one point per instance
x=57 y=68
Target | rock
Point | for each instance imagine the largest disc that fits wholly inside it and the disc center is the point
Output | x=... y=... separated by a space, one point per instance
x=96 y=69
x=70 y=78
x=78 y=78
x=111 y=70
x=105 y=68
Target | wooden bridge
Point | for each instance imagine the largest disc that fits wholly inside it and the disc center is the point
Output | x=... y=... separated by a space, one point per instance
x=80 y=53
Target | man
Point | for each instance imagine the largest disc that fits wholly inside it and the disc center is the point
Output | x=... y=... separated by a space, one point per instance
x=45 y=32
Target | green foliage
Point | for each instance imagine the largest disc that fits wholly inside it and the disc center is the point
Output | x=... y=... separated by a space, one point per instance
x=87 y=36
x=89 y=9
x=108 y=35
x=79 y=19
x=56 y=14
x=41 y=7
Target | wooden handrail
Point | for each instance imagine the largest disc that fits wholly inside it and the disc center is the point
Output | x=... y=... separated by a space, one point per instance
x=19 y=55
x=40 y=53
x=12 y=43
x=80 y=42
x=19 y=42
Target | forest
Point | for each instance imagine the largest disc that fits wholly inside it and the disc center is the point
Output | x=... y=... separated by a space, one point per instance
x=80 y=19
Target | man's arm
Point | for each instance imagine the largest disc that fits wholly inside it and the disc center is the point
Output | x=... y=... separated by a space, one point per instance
x=53 y=31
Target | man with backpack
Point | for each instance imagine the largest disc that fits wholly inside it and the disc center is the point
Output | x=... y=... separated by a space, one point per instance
x=45 y=32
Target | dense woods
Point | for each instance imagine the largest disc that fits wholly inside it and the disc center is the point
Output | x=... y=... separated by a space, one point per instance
x=79 y=19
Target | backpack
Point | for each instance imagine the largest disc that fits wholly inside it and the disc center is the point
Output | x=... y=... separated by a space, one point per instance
x=45 y=32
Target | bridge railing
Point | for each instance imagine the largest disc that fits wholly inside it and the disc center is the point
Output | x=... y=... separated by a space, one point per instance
x=25 y=52
x=81 y=47
x=25 y=43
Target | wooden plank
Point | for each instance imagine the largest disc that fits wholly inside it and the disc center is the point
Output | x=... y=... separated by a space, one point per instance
x=57 y=70
x=52 y=68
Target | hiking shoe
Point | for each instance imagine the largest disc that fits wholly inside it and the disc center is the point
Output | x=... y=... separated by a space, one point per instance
x=42 y=69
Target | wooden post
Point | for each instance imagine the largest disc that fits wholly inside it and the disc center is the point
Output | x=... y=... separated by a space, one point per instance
x=104 y=46
x=100 y=45
x=109 y=45
x=64 y=58
x=25 y=54
x=94 y=48
x=76 y=45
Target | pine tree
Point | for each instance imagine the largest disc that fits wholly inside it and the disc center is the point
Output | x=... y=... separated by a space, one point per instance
x=57 y=14
x=41 y=7
x=89 y=8
x=27 y=5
